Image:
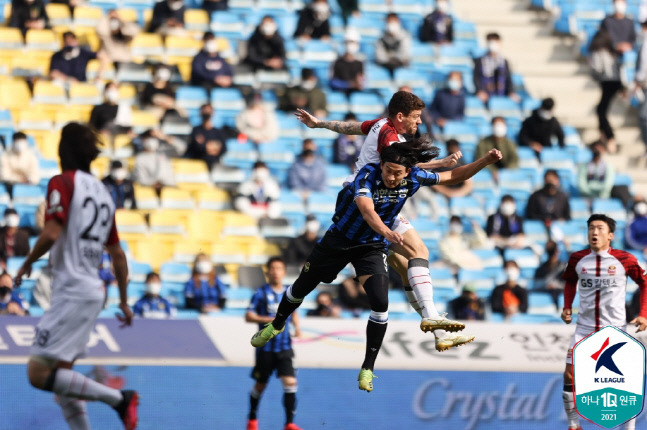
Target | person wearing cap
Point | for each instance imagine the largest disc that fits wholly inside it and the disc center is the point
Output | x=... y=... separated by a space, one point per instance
x=595 y=179
x=636 y=235
x=541 y=127
x=498 y=140
x=306 y=95
x=70 y=63
x=115 y=35
x=208 y=68
x=14 y=241
x=265 y=48
x=19 y=164
x=206 y=142
x=313 y=21
x=393 y=48
x=438 y=26
x=167 y=15
x=492 y=74
x=258 y=121
x=348 y=70
x=301 y=246
x=467 y=306
x=152 y=304
x=308 y=172
x=120 y=187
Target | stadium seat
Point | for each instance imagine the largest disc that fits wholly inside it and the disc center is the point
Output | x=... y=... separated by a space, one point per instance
x=14 y=94
x=10 y=38
x=228 y=24
x=505 y=107
x=143 y=120
x=190 y=174
x=185 y=251
x=318 y=53
x=41 y=40
x=187 y=97
x=174 y=198
x=182 y=46
x=610 y=207
x=85 y=94
x=49 y=93
x=87 y=16
x=377 y=77
x=147 y=46
x=138 y=271
x=146 y=198
x=130 y=222
x=366 y=104
x=525 y=258
x=196 y=20
x=475 y=278
x=24 y=194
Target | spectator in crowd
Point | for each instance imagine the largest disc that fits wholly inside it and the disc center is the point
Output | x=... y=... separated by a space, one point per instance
x=213 y=5
x=10 y=301
x=70 y=63
x=204 y=291
x=325 y=307
x=19 y=165
x=158 y=96
x=505 y=227
x=449 y=102
x=258 y=121
x=438 y=26
x=348 y=70
x=307 y=95
x=492 y=75
x=353 y=297
x=116 y=35
x=14 y=241
x=500 y=141
x=595 y=179
x=456 y=247
x=346 y=147
x=208 y=68
x=548 y=276
x=348 y=8
x=120 y=187
x=265 y=48
x=28 y=15
x=168 y=17
x=206 y=142
x=460 y=189
x=640 y=81
x=549 y=203
x=636 y=236
x=258 y=196
x=313 y=21
x=308 y=172
x=152 y=305
x=171 y=146
x=106 y=272
x=510 y=298
x=467 y=306
x=111 y=117
x=300 y=247
x=152 y=167
x=393 y=48
x=541 y=127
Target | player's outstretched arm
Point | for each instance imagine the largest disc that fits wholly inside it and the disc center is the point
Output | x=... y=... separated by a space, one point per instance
x=120 y=265
x=51 y=231
x=253 y=317
x=465 y=172
x=639 y=322
x=367 y=209
x=342 y=127
x=450 y=161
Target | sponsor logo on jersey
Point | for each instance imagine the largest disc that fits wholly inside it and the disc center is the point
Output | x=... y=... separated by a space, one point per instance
x=612 y=270
x=306 y=267
x=584 y=272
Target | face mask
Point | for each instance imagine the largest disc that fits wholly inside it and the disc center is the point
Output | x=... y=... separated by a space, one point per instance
x=507 y=208
x=454 y=84
x=150 y=144
x=620 y=7
x=119 y=174
x=205 y=116
x=308 y=84
x=268 y=29
x=154 y=288
x=203 y=267
x=19 y=145
x=442 y=6
x=550 y=186
x=114 y=24
x=112 y=95
x=163 y=75
x=5 y=294
x=455 y=228
x=494 y=47
x=596 y=154
x=261 y=174
x=211 y=46
x=313 y=226
x=512 y=274
x=640 y=208
x=175 y=5
x=352 y=48
x=545 y=114
x=393 y=27
x=499 y=129
x=321 y=10
x=12 y=220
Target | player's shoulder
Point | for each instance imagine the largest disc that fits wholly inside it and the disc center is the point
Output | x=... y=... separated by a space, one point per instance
x=621 y=255
x=578 y=255
x=373 y=125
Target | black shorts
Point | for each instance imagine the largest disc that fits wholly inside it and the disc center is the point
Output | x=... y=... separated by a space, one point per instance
x=268 y=361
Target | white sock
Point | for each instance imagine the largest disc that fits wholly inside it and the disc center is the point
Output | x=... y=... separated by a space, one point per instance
x=569 y=407
x=439 y=334
x=73 y=384
x=413 y=300
x=74 y=412
x=420 y=281
x=631 y=424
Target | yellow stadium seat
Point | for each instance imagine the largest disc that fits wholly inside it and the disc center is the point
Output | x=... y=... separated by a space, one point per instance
x=155 y=251
x=58 y=14
x=147 y=46
x=182 y=46
x=185 y=251
x=121 y=146
x=48 y=144
x=175 y=198
x=100 y=166
x=64 y=116
x=35 y=119
x=196 y=20
x=82 y=93
x=10 y=38
x=146 y=198
x=87 y=16
x=147 y=15
x=49 y=93
x=227 y=252
x=127 y=93
x=190 y=172
x=29 y=65
x=261 y=252
x=92 y=71
x=213 y=199
x=167 y=222
x=43 y=40
x=87 y=36
x=234 y=218
x=127 y=14
x=143 y=120
x=130 y=221
x=204 y=226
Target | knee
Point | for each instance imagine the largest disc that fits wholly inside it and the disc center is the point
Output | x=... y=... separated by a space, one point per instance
x=417 y=249
x=260 y=387
x=377 y=288
x=568 y=376
x=289 y=384
x=40 y=376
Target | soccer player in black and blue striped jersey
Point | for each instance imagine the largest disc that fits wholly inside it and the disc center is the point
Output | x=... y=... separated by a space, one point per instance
x=365 y=212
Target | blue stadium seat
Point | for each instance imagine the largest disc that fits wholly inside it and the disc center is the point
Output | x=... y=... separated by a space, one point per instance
x=292 y=203
x=541 y=303
x=369 y=28
x=190 y=98
x=462 y=131
x=27 y=213
x=227 y=101
x=175 y=272
x=525 y=258
x=423 y=57
x=491 y=258
x=535 y=231
x=519 y=179
x=322 y=203
x=534 y=319
x=580 y=210
x=504 y=106
x=411 y=77
x=610 y=207
x=475 y=108
x=289 y=125
x=25 y=194
x=138 y=270
x=337 y=102
x=228 y=24
x=377 y=77
x=468 y=207
x=556 y=158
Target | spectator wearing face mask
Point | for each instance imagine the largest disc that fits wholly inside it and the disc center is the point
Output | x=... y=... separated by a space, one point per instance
x=449 y=102
x=158 y=96
x=505 y=227
x=152 y=305
x=14 y=241
x=152 y=167
x=19 y=164
x=500 y=141
x=28 y=15
x=111 y=117
x=307 y=95
x=636 y=235
x=467 y=306
x=258 y=121
x=348 y=70
x=346 y=147
x=549 y=203
x=308 y=172
x=313 y=21
x=265 y=48
x=393 y=48
x=548 y=276
x=167 y=16
x=10 y=301
x=300 y=247
x=206 y=142
x=456 y=247
x=70 y=63
x=204 y=291
x=258 y=196
x=438 y=26
x=120 y=187
x=492 y=75
x=208 y=68
x=116 y=35
x=541 y=127
x=510 y=298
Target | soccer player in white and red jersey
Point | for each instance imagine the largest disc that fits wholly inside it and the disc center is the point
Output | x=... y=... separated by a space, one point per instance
x=79 y=222
x=599 y=274
x=411 y=258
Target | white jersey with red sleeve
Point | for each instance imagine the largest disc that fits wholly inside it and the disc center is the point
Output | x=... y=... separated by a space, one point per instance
x=82 y=204
x=601 y=280
x=380 y=133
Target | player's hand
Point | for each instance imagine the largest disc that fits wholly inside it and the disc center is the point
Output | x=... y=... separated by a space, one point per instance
x=394 y=237
x=567 y=316
x=25 y=270
x=452 y=159
x=639 y=322
x=309 y=120
x=126 y=317
x=493 y=156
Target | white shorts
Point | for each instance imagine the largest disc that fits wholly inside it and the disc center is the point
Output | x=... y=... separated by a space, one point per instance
x=401 y=225
x=64 y=330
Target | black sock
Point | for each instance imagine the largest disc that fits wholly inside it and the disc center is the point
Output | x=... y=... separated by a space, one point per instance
x=286 y=307
x=290 y=404
x=374 y=335
x=254 y=399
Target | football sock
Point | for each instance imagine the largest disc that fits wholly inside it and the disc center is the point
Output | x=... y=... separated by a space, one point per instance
x=569 y=407
x=375 y=330
x=413 y=300
x=631 y=424
x=288 y=304
x=74 y=412
x=290 y=402
x=69 y=383
x=420 y=281
x=254 y=400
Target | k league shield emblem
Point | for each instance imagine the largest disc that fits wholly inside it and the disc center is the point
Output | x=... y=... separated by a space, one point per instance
x=609 y=377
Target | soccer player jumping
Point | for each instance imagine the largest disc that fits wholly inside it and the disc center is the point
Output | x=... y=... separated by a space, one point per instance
x=365 y=212
x=599 y=274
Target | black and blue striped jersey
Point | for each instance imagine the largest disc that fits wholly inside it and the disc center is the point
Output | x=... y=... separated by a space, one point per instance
x=388 y=201
x=264 y=303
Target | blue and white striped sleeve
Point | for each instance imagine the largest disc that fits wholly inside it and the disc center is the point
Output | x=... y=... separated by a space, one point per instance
x=425 y=178
x=363 y=183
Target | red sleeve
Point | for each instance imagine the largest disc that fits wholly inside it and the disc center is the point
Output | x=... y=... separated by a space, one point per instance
x=387 y=136
x=113 y=237
x=571 y=278
x=366 y=125
x=637 y=274
x=59 y=195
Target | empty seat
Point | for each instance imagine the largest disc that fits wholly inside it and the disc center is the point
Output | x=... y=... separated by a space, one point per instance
x=42 y=40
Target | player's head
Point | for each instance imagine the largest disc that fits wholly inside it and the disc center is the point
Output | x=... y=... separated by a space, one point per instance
x=398 y=158
x=78 y=147
x=275 y=270
x=405 y=109
x=601 y=229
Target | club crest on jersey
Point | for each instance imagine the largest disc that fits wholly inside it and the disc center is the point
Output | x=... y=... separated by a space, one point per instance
x=612 y=270
x=584 y=271
x=404 y=182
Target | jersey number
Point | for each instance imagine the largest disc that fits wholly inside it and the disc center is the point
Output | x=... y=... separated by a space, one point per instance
x=98 y=210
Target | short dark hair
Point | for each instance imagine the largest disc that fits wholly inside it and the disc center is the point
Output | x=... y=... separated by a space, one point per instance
x=78 y=147
x=455 y=218
x=350 y=116
x=307 y=73
x=410 y=152
x=507 y=198
x=493 y=36
x=497 y=118
x=208 y=35
x=69 y=34
x=551 y=172
x=452 y=142
x=10 y=211
x=150 y=275
x=259 y=164
x=404 y=102
x=602 y=217
x=275 y=259
x=505 y=263
x=391 y=15
x=548 y=103
x=19 y=135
